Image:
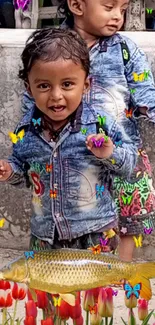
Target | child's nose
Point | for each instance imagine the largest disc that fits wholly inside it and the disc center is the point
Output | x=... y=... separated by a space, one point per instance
x=117 y=14
x=56 y=94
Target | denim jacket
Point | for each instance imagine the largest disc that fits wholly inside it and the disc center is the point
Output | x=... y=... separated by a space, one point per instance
x=70 y=188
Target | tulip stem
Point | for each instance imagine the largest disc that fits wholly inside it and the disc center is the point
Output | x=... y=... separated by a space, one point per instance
x=87 y=318
x=4 y=316
x=106 y=320
x=14 y=312
x=44 y=314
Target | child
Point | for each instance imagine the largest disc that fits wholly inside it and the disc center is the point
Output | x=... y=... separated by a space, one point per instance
x=58 y=147
x=121 y=80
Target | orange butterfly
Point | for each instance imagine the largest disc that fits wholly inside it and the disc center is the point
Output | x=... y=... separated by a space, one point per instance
x=96 y=249
x=48 y=168
x=128 y=113
x=53 y=194
x=93 y=310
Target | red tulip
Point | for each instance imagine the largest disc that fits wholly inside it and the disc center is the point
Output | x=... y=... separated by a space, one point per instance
x=78 y=321
x=63 y=310
x=18 y=293
x=42 y=300
x=142 y=309
x=88 y=300
x=31 y=309
x=105 y=302
x=30 y=320
x=6 y=300
x=76 y=311
x=48 y=321
x=5 y=285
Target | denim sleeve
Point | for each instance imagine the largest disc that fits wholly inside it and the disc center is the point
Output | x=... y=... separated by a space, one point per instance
x=140 y=81
x=124 y=157
x=17 y=176
x=27 y=102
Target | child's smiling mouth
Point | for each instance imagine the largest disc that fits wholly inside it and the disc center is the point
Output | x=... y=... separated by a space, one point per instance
x=59 y=108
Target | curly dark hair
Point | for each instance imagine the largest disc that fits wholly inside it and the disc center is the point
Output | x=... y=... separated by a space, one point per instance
x=64 y=9
x=51 y=44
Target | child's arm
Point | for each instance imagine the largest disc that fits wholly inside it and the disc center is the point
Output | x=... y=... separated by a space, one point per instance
x=120 y=158
x=12 y=170
x=140 y=82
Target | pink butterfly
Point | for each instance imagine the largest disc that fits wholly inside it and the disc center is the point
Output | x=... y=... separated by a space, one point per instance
x=115 y=292
x=98 y=143
x=148 y=231
x=103 y=242
x=23 y=4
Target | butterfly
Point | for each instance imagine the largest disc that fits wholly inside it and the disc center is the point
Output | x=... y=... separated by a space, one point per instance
x=97 y=143
x=127 y=200
x=148 y=231
x=95 y=249
x=137 y=77
x=103 y=242
x=48 y=168
x=146 y=74
x=57 y=301
x=147 y=223
x=2 y=221
x=109 y=233
x=129 y=290
x=138 y=241
x=149 y=11
x=125 y=54
x=113 y=161
x=101 y=120
x=93 y=310
x=118 y=140
x=53 y=194
x=23 y=4
x=35 y=122
x=118 y=143
x=128 y=113
x=132 y=91
x=29 y=254
x=115 y=293
x=84 y=131
x=101 y=131
x=99 y=190
x=17 y=137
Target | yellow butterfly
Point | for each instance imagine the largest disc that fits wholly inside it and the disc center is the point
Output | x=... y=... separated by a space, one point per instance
x=57 y=301
x=109 y=233
x=15 y=137
x=138 y=241
x=2 y=221
x=139 y=77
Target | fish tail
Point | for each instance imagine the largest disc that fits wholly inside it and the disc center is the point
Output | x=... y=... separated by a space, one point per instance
x=145 y=271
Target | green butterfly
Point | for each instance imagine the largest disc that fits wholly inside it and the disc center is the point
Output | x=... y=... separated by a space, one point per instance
x=127 y=200
x=149 y=11
x=102 y=120
x=84 y=131
x=132 y=91
x=146 y=74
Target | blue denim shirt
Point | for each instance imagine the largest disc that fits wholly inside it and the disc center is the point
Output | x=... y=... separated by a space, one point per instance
x=65 y=194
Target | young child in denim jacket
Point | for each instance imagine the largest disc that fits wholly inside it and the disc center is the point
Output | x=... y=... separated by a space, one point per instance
x=58 y=147
x=121 y=81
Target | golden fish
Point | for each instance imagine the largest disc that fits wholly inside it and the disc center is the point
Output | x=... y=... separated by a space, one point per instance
x=66 y=271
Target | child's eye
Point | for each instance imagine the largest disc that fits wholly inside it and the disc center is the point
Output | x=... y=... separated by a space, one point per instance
x=43 y=86
x=67 y=84
x=109 y=8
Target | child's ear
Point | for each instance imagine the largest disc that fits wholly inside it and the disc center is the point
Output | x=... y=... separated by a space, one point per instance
x=86 y=85
x=27 y=86
x=76 y=7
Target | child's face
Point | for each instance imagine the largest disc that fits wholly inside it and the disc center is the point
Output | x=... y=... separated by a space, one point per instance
x=57 y=87
x=98 y=17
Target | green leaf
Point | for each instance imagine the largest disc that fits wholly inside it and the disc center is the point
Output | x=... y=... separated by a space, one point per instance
x=124 y=321
x=145 y=322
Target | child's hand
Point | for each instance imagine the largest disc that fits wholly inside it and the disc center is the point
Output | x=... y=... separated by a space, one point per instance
x=99 y=147
x=5 y=170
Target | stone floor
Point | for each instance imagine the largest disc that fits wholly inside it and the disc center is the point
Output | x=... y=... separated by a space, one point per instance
x=120 y=310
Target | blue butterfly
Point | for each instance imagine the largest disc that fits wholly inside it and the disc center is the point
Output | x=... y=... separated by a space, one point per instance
x=35 y=122
x=99 y=190
x=129 y=290
x=118 y=141
x=29 y=254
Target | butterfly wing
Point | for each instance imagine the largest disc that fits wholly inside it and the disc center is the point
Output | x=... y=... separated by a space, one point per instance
x=141 y=77
x=21 y=134
x=136 y=290
x=13 y=137
x=135 y=76
x=124 y=199
x=129 y=199
x=2 y=221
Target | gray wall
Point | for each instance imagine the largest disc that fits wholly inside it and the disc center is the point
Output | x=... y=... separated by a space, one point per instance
x=14 y=202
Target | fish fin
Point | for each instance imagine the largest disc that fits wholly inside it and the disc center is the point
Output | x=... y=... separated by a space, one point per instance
x=68 y=297
x=33 y=294
x=145 y=271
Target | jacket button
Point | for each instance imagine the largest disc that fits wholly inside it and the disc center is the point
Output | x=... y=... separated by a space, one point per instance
x=55 y=154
